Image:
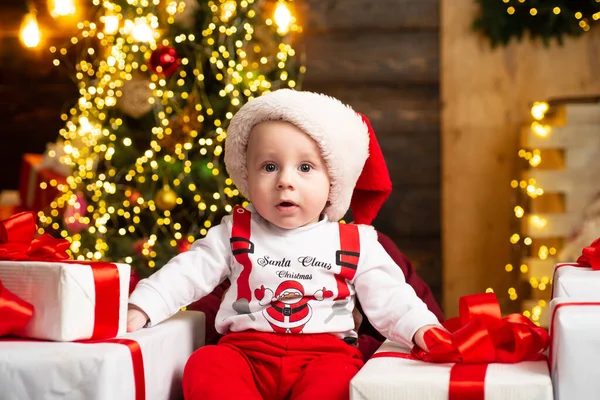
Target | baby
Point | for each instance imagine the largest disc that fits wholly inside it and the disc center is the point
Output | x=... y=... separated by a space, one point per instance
x=294 y=270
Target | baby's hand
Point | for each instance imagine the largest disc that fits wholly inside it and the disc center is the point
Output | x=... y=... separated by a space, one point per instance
x=136 y=318
x=419 y=336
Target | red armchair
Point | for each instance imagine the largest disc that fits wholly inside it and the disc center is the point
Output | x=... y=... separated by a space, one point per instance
x=369 y=339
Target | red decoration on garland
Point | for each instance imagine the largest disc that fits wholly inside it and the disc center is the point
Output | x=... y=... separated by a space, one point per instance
x=164 y=61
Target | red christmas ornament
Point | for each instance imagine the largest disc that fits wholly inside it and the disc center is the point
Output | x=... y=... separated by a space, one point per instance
x=134 y=196
x=138 y=246
x=183 y=245
x=164 y=61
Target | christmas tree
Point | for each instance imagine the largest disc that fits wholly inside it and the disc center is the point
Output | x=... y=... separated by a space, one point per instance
x=158 y=83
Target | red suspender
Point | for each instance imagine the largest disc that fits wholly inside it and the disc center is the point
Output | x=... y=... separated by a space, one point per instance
x=241 y=246
x=347 y=258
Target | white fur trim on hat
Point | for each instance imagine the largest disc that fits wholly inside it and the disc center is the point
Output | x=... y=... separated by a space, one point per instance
x=339 y=131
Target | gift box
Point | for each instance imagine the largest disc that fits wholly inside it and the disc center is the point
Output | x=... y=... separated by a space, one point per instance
x=575 y=349
x=103 y=371
x=33 y=176
x=72 y=300
x=392 y=374
x=576 y=281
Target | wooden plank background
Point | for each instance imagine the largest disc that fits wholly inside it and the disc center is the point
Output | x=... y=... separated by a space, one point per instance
x=382 y=57
x=486 y=96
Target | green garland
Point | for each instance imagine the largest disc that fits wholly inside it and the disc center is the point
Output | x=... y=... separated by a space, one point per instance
x=502 y=20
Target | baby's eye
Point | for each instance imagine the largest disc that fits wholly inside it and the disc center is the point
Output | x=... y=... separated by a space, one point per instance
x=270 y=167
x=305 y=167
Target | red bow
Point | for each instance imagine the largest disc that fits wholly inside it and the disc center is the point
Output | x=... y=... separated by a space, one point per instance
x=481 y=335
x=18 y=241
x=590 y=255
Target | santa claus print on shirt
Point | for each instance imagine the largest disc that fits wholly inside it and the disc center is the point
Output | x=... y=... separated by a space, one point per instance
x=289 y=310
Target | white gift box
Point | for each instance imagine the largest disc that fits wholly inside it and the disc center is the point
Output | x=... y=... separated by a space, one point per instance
x=575 y=349
x=101 y=371
x=388 y=378
x=63 y=297
x=575 y=281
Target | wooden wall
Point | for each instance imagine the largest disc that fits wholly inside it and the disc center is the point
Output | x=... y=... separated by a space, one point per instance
x=382 y=57
x=486 y=95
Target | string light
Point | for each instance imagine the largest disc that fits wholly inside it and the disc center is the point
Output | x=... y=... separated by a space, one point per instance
x=532 y=190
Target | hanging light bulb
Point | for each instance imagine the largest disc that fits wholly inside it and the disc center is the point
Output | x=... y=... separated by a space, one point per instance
x=61 y=8
x=30 y=32
x=283 y=18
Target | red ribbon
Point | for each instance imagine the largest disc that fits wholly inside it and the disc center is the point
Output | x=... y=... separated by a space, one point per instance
x=589 y=258
x=590 y=255
x=138 y=363
x=477 y=337
x=18 y=242
x=15 y=312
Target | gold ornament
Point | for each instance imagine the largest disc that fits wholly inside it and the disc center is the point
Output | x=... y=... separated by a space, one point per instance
x=166 y=198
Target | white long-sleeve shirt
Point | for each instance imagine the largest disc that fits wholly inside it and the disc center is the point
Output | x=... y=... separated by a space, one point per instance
x=293 y=269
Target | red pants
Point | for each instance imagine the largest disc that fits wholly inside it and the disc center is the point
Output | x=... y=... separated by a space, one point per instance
x=272 y=366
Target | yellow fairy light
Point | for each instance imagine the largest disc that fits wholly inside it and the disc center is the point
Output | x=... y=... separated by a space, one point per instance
x=519 y=211
x=228 y=10
x=111 y=24
x=543 y=253
x=283 y=18
x=30 y=32
x=536 y=158
x=539 y=109
x=524 y=268
x=538 y=221
x=61 y=8
x=540 y=129
x=140 y=30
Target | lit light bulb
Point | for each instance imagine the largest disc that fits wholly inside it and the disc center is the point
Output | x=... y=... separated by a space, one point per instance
x=540 y=130
x=111 y=24
x=538 y=221
x=283 y=18
x=140 y=30
x=30 y=31
x=539 y=109
x=228 y=10
x=61 y=8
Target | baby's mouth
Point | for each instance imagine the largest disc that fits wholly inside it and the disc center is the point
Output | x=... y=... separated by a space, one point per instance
x=286 y=204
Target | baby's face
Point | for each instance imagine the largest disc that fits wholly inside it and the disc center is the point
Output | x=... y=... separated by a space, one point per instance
x=288 y=182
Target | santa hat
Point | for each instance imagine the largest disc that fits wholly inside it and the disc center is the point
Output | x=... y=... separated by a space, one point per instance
x=357 y=170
